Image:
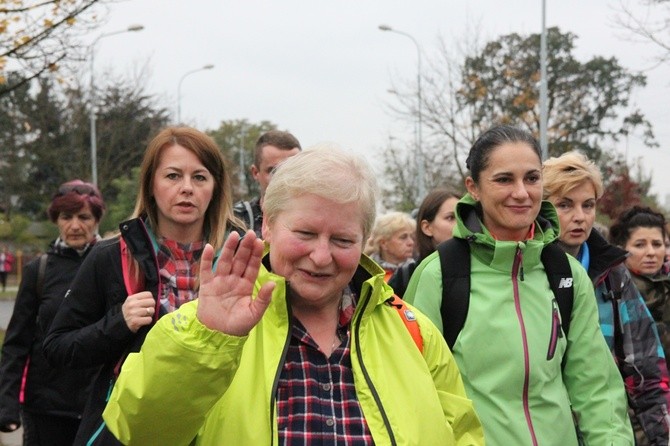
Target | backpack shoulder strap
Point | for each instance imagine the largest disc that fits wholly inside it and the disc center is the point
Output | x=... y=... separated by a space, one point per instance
x=455 y=265
x=131 y=277
x=559 y=274
x=614 y=284
x=409 y=319
x=41 y=271
x=250 y=214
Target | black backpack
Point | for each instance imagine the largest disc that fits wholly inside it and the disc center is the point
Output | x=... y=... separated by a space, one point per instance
x=455 y=263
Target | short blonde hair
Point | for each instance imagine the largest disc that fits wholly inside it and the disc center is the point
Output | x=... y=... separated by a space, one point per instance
x=562 y=174
x=387 y=225
x=325 y=171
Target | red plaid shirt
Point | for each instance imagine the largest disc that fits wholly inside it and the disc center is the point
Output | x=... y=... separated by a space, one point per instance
x=179 y=267
x=316 y=396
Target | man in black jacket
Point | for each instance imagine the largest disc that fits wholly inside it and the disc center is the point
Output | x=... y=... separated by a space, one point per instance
x=272 y=148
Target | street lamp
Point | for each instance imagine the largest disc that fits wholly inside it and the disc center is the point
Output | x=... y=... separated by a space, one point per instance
x=206 y=67
x=419 y=150
x=92 y=116
x=544 y=143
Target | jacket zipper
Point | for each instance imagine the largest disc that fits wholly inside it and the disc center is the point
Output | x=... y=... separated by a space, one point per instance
x=556 y=332
x=368 y=380
x=280 y=366
x=517 y=274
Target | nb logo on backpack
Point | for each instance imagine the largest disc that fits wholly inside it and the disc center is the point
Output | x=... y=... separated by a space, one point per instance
x=566 y=282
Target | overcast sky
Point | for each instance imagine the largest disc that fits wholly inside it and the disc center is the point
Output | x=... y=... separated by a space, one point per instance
x=321 y=69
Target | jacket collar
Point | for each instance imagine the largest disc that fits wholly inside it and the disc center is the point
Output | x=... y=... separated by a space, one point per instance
x=603 y=255
x=497 y=253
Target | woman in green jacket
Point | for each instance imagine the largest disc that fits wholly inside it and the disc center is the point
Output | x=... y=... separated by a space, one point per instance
x=297 y=344
x=521 y=372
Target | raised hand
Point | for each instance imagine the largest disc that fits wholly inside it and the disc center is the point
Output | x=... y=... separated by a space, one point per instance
x=138 y=310
x=225 y=303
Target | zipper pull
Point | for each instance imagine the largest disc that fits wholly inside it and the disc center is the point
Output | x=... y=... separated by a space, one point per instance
x=557 y=317
x=556 y=331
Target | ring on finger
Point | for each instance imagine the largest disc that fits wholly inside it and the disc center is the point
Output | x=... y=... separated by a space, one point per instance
x=148 y=311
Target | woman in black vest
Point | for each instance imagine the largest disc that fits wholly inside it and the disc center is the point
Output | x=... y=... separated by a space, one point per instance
x=48 y=400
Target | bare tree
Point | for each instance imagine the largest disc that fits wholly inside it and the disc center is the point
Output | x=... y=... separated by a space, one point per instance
x=448 y=132
x=498 y=83
x=38 y=36
x=649 y=22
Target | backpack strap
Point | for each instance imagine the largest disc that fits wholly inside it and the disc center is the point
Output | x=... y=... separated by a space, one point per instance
x=41 y=271
x=134 y=282
x=455 y=264
x=409 y=319
x=131 y=277
x=250 y=214
x=559 y=274
x=614 y=285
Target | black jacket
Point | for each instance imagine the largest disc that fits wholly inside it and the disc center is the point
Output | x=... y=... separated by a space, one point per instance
x=89 y=329
x=604 y=257
x=58 y=391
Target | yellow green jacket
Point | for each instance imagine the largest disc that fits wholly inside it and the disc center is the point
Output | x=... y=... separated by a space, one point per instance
x=191 y=385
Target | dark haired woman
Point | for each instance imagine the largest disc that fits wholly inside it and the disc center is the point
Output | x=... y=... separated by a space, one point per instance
x=641 y=231
x=151 y=269
x=50 y=402
x=524 y=375
x=435 y=222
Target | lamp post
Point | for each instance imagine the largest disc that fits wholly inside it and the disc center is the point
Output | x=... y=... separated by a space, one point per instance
x=419 y=150
x=92 y=113
x=188 y=73
x=544 y=143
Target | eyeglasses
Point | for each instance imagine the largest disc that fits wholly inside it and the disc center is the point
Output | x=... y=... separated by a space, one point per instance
x=81 y=189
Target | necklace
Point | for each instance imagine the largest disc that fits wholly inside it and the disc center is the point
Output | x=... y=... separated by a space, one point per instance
x=336 y=342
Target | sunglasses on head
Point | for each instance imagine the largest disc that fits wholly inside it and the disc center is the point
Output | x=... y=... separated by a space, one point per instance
x=81 y=189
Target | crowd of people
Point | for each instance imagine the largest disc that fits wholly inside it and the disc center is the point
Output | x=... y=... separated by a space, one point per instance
x=503 y=315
